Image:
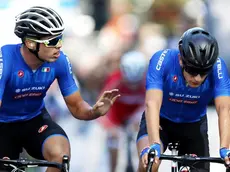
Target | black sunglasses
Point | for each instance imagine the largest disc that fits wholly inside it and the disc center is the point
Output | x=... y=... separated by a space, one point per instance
x=194 y=72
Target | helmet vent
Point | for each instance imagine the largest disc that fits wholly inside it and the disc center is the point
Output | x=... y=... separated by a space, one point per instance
x=38 y=21
x=195 y=32
x=33 y=18
x=44 y=23
x=205 y=33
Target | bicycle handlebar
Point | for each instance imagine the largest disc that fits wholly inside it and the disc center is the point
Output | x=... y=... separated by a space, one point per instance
x=185 y=159
x=24 y=163
x=190 y=159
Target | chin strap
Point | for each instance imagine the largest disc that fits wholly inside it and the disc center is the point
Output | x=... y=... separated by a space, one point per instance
x=35 y=52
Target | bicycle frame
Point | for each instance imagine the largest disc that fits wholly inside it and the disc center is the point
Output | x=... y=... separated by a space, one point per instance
x=185 y=159
x=24 y=163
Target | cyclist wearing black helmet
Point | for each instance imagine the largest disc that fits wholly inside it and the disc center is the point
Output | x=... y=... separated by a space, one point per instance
x=179 y=85
x=26 y=72
x=199 y=51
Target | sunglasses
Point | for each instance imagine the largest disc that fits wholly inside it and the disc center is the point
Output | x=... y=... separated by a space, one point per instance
x=194 y=72
x=52 y=42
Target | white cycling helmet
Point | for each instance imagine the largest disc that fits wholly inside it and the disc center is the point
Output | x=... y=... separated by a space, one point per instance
x=38 y=22
x=133 y=66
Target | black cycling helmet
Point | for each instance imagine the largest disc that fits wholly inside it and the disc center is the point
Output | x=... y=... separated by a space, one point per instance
x=38 y=22
x=199 y=50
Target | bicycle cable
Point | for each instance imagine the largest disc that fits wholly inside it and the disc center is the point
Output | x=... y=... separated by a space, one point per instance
x=15 y=169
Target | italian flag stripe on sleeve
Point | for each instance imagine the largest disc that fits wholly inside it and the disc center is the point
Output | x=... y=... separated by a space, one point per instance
x=45 y=69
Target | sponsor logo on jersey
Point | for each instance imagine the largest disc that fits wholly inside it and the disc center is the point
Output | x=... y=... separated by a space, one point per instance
x=184 y=95
x=18 y=90
x=46 y=69
x=38 y=88
x=171 y=93
x=30 y=88
x=175 y=78
x=176 y=100
x=180 y=98
x=20 y=73
x=69 y=64
x=33 y=94
x=161 y=59
x=42 y=128
x=219 y=69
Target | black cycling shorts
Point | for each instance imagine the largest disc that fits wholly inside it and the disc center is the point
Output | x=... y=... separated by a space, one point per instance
x=29 y=135
x=193 y=137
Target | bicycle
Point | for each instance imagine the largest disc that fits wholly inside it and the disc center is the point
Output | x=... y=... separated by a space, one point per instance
x=21 y=164
x=187 y=160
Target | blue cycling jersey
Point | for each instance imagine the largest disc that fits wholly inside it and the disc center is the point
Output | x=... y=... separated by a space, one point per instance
x=181 y=103
x=22 y=90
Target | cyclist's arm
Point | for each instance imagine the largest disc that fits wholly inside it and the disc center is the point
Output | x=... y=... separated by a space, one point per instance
x=78 y=107
x=153 y=105
x=222 y=104
x=154 y=94
x=222 y=100
x=5 y=70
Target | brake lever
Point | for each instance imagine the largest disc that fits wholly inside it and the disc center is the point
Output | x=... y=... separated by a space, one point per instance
x=65 y=163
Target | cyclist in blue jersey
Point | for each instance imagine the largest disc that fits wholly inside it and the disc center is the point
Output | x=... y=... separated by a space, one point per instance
x=26 y=72
x=179 y=85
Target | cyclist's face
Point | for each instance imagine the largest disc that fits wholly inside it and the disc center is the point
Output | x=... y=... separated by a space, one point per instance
x=49 y=54
x=49 y=49
x=193 y=80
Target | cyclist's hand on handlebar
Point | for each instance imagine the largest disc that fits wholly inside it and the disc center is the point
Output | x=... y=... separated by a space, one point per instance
x=144 y=156
x=157 y=148
x=225 y=155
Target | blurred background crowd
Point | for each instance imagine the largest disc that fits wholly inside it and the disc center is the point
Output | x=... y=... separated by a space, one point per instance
x=98 y=33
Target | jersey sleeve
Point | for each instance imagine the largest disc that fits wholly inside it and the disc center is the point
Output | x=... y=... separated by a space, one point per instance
x=155 y=73
x=4 y=71
x=221 y=79
x=65 y=77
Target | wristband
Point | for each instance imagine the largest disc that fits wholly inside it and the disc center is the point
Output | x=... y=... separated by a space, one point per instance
x=144 y=151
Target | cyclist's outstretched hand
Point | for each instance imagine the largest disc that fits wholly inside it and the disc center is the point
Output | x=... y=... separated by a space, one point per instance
x=105 y=101
x=225 y=155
